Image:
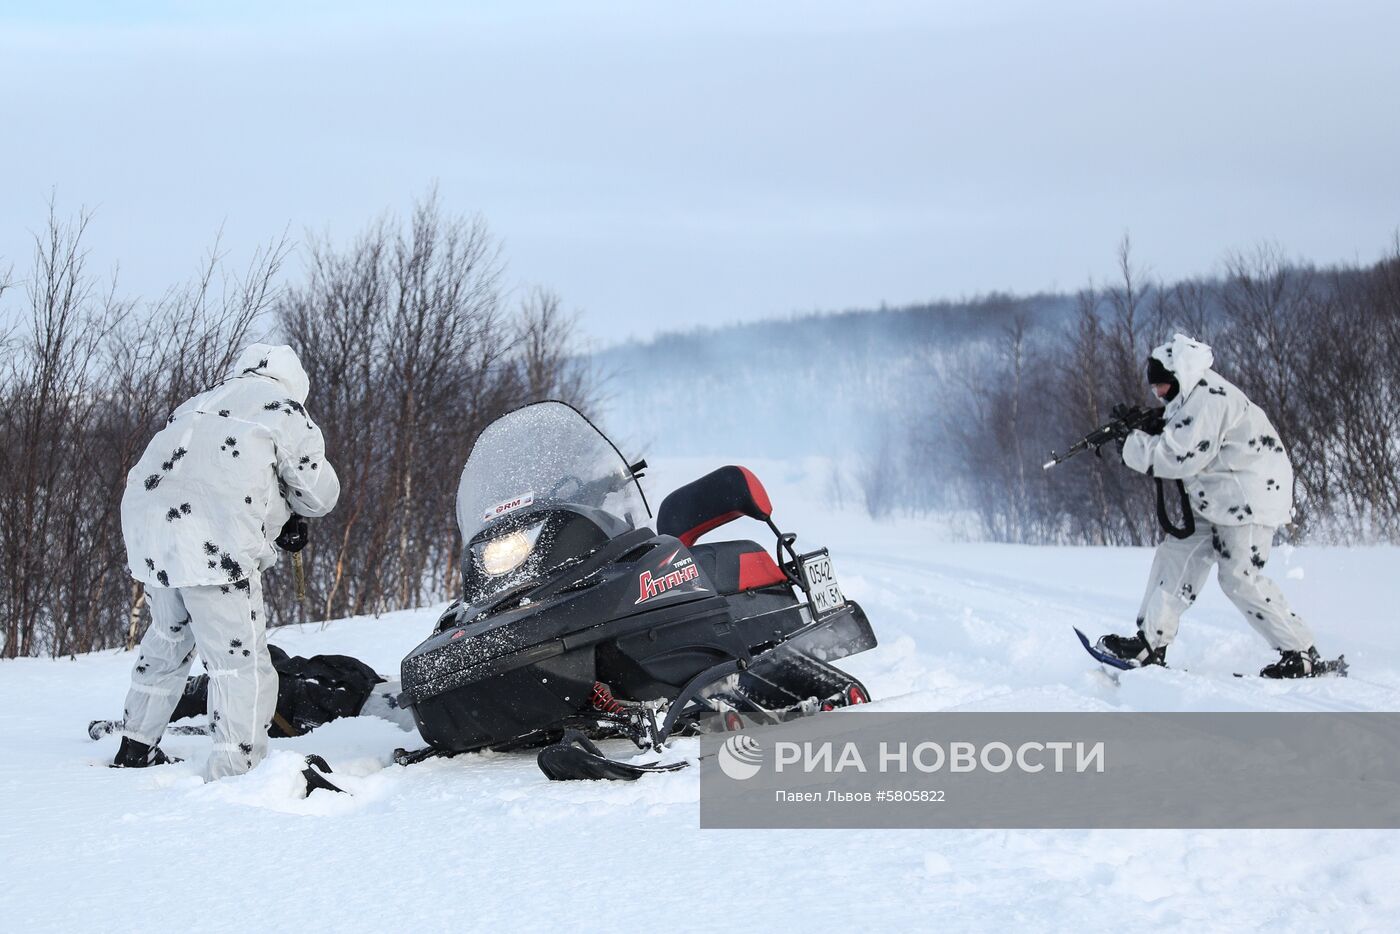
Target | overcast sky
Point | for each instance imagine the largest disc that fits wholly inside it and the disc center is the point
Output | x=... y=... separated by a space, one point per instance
x=664 y=165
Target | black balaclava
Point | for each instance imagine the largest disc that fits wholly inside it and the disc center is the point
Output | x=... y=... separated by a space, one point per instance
x=1158 y=373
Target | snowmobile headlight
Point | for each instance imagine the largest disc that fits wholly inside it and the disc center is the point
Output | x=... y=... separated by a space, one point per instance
x=507 y=552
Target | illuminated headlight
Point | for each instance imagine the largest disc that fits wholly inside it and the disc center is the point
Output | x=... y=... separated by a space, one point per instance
x=506 y=553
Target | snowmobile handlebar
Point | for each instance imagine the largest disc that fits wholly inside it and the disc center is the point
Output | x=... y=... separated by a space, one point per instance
x=1125 y=420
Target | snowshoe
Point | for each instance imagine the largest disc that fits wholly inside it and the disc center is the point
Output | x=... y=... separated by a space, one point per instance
x=1131 y=651
x=100 y=728
x=575 y=615
x=315 y=775
x=134 y=755
x=1308 y=664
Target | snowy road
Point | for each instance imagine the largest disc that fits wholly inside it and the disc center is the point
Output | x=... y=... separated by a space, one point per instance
x=484 y=841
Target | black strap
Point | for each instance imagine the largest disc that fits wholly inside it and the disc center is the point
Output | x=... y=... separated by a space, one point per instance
x=281 y=723
x=1188 y=524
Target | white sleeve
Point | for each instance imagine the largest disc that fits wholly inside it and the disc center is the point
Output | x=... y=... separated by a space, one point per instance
x=1188 y=442
x=312 y=485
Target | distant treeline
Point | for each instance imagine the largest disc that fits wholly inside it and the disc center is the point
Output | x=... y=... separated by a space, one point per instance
x=814 y=384
x=410 y=348
x=1317 y=348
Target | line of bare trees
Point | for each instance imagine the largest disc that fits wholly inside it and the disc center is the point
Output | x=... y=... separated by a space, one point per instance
x=411 y=349
x=1317 y=349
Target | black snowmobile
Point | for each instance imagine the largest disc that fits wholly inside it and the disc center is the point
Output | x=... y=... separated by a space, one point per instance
x=578 y=621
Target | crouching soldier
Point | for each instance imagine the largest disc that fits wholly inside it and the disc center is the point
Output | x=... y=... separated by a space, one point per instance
x=202 y=512
x=1240 y=484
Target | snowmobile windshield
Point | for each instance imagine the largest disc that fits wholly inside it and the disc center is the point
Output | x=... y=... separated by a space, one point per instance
x=545 y=454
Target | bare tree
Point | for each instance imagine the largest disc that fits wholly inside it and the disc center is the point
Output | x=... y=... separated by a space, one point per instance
x=547 y=336
x=410 y=354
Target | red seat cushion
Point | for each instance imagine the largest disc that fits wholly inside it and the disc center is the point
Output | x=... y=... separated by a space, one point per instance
x=737 y=566
x=758 y=569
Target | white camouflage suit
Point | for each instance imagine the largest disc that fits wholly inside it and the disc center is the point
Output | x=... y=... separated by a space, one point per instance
x=199 y=514
x=1240 y=483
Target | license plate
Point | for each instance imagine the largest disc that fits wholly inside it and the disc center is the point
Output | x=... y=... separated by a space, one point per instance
x=822 y=588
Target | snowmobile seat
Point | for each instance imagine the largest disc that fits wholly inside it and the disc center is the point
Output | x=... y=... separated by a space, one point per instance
x=738 y=566
x=720 y=496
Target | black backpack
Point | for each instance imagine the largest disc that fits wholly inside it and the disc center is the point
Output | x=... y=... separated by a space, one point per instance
x=310 y=691
x=316 y=690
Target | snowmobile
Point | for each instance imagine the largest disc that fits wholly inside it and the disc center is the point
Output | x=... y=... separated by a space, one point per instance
x=578 y=620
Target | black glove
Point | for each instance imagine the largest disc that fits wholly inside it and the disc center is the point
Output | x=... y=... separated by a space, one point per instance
x=293 y=535
x=1120 y=418
x=1128 y=417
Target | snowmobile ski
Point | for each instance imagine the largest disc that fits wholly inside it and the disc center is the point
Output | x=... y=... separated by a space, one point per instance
x=577 y=758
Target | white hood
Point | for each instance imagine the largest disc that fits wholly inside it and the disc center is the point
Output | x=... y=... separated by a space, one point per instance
x=1186 y=357
x=275 y=361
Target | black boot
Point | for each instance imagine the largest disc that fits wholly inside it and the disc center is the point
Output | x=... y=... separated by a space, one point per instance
x=134 y=755
x=1133 y=650
x=1294 y=665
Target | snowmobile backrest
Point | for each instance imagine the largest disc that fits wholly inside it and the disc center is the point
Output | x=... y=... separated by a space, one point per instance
x=718 y=497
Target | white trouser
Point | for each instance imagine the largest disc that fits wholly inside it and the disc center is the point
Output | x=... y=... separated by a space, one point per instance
x=227 y=625
x=1180 y=569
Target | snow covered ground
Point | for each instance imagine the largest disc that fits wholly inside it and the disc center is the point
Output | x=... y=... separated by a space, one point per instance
x=484 y=842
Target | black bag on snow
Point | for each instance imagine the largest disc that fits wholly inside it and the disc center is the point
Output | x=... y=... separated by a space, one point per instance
x=310 y=691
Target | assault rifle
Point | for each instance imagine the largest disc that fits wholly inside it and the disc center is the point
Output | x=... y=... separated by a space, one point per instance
x=1125 y=419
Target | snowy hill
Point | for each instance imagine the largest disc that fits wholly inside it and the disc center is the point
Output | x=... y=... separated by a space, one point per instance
x=483 y=842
